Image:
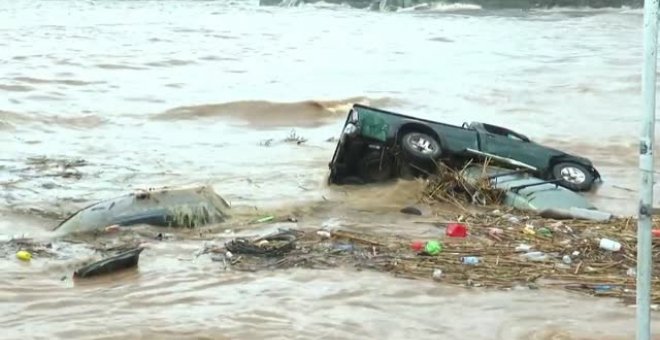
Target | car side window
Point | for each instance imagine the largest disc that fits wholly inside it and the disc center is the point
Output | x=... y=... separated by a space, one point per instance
x=513 y=136
x=504 y=132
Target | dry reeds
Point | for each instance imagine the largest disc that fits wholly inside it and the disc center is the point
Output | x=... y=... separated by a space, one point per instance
x=453 y=186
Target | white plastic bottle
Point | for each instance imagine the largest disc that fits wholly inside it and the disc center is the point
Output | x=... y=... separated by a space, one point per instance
x=608 y=244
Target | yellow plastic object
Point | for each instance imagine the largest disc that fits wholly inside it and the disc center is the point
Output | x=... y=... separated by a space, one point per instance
x=24 y=255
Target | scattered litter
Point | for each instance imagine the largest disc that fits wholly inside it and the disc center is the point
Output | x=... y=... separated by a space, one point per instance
x=265 y=219
x=529 y=230
x=523 y=248
x=432 y=248
x=112 y=229
x=610 y=245
x=417 y=246
x=295 y=138
x=24 y=255
x=535 y=256
x=495 y=233
x=545 y=232
x=572 y=260
x=123 y=260
x=277 y=245
x=411 y=211
x=456 y=230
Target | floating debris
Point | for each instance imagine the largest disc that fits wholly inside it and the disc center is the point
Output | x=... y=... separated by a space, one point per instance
x=572 y=260
x=123 y=260
x=295 y=138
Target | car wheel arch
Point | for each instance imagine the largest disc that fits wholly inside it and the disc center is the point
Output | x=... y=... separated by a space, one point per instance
x=562 y=159
x=591 y=174
x=416 y=127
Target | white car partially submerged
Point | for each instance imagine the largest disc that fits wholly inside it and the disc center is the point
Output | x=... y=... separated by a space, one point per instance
x=171 y=207
x=528 y=193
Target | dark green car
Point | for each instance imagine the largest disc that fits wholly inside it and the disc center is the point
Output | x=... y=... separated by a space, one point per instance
x=377 y=145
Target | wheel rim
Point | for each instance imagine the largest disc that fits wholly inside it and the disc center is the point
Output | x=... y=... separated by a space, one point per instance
x=421 y=144
x=573 y=175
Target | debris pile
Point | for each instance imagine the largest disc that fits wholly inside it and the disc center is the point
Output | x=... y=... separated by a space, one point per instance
x=450 y=186
x=499 y=251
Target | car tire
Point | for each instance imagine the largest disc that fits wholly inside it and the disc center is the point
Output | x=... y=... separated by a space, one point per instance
x=573 y=176
x=420 y=146
x=371 y=170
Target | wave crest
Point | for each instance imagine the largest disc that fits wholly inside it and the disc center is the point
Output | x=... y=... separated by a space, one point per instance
x=262 y=113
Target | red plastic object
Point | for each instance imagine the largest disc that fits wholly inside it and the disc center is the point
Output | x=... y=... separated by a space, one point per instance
x=417 y=246
x=456 y=230
x=655 y=232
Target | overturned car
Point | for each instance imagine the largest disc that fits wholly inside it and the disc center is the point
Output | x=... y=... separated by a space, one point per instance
x=377 y=145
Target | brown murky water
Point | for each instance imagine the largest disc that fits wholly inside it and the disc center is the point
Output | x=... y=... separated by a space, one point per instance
x=174 y=92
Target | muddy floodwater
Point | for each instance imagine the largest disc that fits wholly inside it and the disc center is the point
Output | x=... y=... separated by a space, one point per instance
x=98 y=98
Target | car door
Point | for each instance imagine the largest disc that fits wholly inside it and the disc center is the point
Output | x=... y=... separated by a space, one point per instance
x=506 y=143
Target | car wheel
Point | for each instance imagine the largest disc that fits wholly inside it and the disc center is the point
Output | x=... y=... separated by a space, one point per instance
x=421 y=146
x=573 y=176
x=372 y=170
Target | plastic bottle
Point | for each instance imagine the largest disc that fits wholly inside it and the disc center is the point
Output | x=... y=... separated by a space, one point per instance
x=523 y=247
x=610 y=245
x=535 y=256
x=470 y=260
